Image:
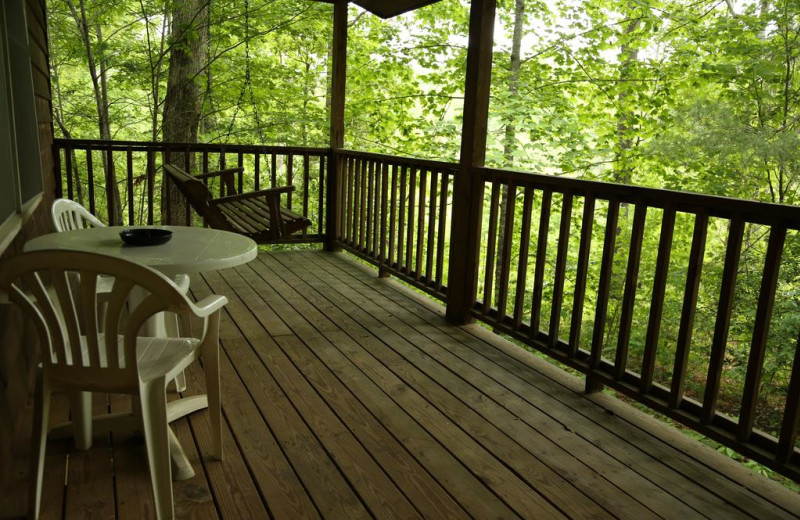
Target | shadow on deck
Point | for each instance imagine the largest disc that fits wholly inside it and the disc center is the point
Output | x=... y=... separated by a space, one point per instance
x=349 y=396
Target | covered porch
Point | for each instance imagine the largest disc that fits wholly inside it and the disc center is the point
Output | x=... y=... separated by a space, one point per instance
x=347 y=395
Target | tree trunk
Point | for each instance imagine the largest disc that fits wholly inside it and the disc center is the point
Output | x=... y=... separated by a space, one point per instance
x=99 y=87
x=510 y=132
x=58 y=115
x=155 y=57
x=183 y=103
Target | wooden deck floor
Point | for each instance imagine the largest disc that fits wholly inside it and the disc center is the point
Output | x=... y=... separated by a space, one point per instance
x=348 y=396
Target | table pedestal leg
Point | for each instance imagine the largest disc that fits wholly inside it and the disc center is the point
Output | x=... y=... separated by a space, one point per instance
x=181 y=467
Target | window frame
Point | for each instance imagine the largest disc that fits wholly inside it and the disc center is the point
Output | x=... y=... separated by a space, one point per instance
x=18 y=98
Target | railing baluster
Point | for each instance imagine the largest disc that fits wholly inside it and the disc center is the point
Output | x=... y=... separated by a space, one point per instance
x=273 y=174
x=356 y=201
x=758 y=347
x=240 y=175
x=576 y=323
x=257 y=173
x=694 y=271
x=491 y=249
x=362 y=217
x=187 y=165
x=322 y=198
x=724 y=308
x=522 y=265
x=629 y=296
x=205 y=164
x=541 y=256
x=561 y=268
x=377 y=210
x=412 y=195
x=440 y=251
x=384 y=205
x=603 y=290
x=289 y=178
x=306 y=176
x=423 y=186
x=791 y=413
x=151 y=182
x=392 y=217
x=68 y=167
x=350 y=201
x=505 y=259
x=90 y=180
x=367 y=243
x=657 y=300
x=401 y=215
x=129 y=170
x=111 y=182
x=430 y=248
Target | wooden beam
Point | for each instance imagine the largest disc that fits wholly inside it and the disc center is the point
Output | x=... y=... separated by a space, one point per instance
x=468 y=186
x=338 y=91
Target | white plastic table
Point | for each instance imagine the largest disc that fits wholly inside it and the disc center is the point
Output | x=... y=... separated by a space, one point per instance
x=191 y=250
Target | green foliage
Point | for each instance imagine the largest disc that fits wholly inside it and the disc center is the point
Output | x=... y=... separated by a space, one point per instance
x=692 y=96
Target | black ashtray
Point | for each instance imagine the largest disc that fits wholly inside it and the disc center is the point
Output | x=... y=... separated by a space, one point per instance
x=145 y=236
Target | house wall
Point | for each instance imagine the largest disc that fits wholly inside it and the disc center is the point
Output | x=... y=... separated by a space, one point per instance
x=16 y=349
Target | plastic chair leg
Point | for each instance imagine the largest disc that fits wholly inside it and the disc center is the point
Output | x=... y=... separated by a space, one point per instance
x=211 y=368
x=41 y=413
x=154 y=419
x=81 y=407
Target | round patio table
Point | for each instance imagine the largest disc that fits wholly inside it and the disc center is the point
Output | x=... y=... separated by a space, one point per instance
x=190 y=250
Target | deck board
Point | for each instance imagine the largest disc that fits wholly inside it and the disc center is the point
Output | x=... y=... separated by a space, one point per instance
x=349 y=396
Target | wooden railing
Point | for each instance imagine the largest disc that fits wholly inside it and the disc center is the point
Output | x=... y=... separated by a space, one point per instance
x=541 y=263
x=592 y=274
x=129 y=193
x=395 y=213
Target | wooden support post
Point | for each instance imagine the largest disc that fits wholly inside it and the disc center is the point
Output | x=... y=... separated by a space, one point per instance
x=468 y=186
x=339 y=78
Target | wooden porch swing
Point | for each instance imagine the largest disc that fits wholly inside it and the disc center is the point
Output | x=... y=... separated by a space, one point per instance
x=258 y=214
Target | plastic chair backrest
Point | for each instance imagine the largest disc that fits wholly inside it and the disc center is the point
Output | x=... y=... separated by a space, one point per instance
x=68 y=214
x=57 y=289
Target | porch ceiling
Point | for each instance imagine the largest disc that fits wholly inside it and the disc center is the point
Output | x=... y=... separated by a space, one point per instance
x=388 y=8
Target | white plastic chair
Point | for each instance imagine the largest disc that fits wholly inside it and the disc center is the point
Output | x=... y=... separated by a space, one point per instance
x=68 y=215
x=57 y=289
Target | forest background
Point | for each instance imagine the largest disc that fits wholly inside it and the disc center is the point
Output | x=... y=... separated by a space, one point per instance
x=691 y=95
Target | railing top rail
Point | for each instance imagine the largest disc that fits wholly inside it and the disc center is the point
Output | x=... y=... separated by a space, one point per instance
x=394 y=159
x=713 y=205
x=210 y=147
